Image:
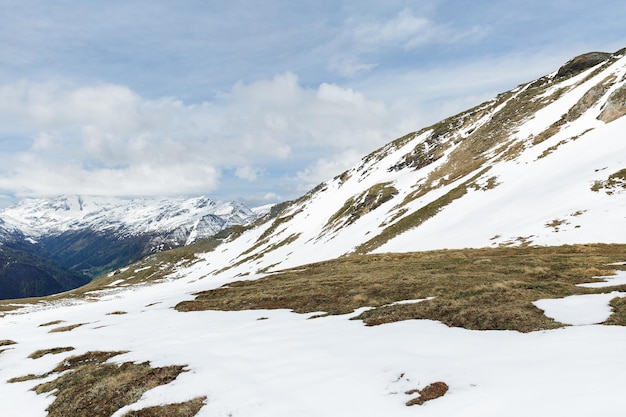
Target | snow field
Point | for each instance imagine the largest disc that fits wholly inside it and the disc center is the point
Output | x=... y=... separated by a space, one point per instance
x=278 y=363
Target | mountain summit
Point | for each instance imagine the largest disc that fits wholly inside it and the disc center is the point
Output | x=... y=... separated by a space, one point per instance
x=474 y=267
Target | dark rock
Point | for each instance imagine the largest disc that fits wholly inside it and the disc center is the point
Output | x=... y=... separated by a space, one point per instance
x=581 y=63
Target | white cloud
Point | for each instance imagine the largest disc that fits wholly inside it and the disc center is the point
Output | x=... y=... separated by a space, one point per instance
x=272 y=197
x=364 y=45
x=349 y=66
x=404 y=29
x=325 y=168
x=247 y=173
x=106 y=139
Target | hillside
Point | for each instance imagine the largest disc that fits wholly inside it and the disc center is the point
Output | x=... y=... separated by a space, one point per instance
x=542 y=164
x=473 y=267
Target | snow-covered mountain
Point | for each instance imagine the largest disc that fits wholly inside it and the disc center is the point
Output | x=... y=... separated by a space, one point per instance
x=83 y=237
x=542 y=164
x=539 y=166
x=180 y=220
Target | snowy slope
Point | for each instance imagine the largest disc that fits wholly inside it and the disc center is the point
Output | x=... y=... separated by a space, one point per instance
x=286 y=364
x=533 y=166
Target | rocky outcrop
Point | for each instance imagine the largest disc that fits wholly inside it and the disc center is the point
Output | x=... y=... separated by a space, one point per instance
x=590 y=98
x=615 y=106
x=581 y=63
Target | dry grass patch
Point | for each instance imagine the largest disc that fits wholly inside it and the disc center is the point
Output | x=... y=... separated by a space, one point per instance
x=186 y=409
x=53 y=351
x=66 y=328
x=7 y=342
x=24 y=378
x=429 y=392
x=116 y=313
x=92 y=387
x=618 y=305
x=615 y=182
x=51 y=323
x=490 y=288
x=356 y=207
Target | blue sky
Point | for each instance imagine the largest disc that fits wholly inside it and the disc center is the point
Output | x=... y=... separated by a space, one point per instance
x=254 y=100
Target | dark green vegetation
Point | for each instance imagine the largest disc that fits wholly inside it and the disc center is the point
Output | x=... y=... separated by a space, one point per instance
x=152 y=268
x=92 y=254
x=24 y=273
x=472 y=288
x=89 y=386
x=60 y=263
x=63 y=262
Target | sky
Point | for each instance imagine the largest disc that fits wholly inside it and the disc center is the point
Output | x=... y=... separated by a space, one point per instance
x=256 y=101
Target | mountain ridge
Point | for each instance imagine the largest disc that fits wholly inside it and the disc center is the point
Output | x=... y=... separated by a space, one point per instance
x=427 y=177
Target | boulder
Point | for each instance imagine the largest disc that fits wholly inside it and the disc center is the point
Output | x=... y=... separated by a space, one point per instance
x=581 y=63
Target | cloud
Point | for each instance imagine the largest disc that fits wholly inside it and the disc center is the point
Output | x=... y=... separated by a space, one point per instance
x=106 y=139
x=272 y=197
x=349 y=66
x=325 y=168
x=247 y=173
x=405 y=29
x=363 y=45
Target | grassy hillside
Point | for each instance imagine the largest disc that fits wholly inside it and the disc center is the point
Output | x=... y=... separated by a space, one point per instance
x=471 y=288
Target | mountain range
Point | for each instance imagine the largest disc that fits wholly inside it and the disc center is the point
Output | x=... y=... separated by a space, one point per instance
x=56 y=244
x=473 y=267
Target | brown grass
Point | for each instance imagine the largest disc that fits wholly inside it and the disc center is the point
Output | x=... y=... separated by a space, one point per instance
x=355 y=207
x=52 y=351
x=51 y=323
x=24 y=378
x=186 y=409
x=7 y=342
x=429 y=392
x=66 y=328
x=94 y=388
x=614 y=182
x=619 y=312
x=491 y=288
